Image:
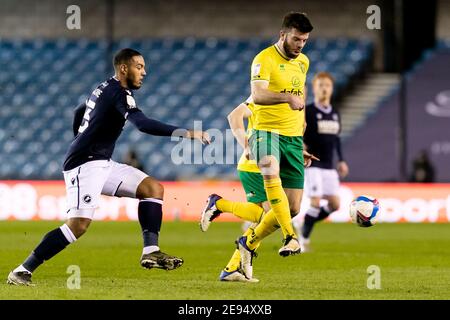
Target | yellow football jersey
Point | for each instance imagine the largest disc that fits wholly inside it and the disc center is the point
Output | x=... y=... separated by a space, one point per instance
x=244 y=164
x=284 y=75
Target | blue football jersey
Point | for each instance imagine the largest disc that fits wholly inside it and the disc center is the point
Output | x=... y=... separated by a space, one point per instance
x=322 y=135
x=105 y=114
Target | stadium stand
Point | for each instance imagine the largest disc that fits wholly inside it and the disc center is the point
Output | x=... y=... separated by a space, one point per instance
x=43 y=80
x=428 y=110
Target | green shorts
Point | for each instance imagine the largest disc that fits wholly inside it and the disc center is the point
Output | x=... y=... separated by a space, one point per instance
x=287 y=150
x=253 y=184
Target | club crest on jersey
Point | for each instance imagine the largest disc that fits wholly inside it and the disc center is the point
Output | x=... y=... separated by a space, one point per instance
x=295 y=81
x=282 y=67
x=302 y=66
x=131 y=102
x=87 y=198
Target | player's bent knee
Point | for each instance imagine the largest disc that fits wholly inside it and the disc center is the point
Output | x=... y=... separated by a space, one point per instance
x=294 y=211
x=78 y=226
x=150 y=188
x=334 y=206
x=333 y=203
x=315 y=202
x=270 y=171
x=269 y=166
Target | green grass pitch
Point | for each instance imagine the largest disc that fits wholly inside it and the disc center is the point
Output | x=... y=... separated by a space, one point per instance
x=414 y=262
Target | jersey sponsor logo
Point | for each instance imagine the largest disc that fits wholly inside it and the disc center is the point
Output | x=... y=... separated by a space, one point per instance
x=131 y=102
x=328 y=127
x=302 y=66
x=296 y=92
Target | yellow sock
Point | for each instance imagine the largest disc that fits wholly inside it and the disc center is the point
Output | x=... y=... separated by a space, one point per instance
x=280 y=205
x=235 y=260
x=245 y=210
x=267 y=226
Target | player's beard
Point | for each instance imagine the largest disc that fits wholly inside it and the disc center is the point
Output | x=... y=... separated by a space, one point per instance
x=131 y=85
x=287 y=50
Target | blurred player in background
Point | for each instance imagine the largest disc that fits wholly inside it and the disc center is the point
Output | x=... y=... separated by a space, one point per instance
x=90 y=172
x=322 y=139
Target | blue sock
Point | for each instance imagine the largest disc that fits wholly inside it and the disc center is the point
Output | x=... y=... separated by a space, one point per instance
x=323 y=214
x=310 y=220
x=308 y=225
x=52 y=243
x=150 y=218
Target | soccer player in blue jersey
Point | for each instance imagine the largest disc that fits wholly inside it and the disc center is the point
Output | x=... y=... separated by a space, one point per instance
x=321 y=139
x=90 y=172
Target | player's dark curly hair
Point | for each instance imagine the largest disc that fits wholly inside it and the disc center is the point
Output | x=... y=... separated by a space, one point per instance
x=124 y=56
x=297 y=20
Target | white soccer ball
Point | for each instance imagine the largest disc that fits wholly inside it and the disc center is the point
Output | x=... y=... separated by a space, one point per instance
x=364 y=211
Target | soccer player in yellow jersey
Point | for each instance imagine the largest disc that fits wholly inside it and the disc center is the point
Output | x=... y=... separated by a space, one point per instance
x=278 y=82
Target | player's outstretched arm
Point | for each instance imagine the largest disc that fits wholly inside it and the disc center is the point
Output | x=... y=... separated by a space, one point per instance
x=262 y=95
x=158 y=128
x=150 y=126
x=199 y=135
